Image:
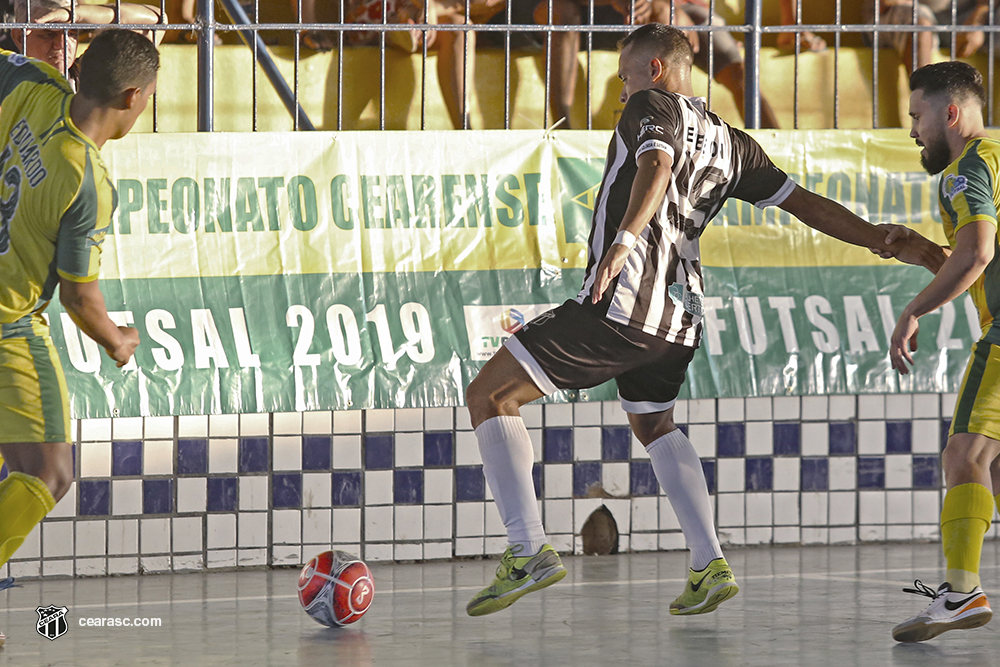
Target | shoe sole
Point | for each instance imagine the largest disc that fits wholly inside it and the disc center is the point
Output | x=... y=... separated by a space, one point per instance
x=924 y=631
x=714 y=598
x=493 y=605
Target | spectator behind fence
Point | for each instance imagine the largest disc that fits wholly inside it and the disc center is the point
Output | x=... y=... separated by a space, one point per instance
x=450 y=45
x=786 y=40
x=929 y=13
x=727 y=65
x=58 y=47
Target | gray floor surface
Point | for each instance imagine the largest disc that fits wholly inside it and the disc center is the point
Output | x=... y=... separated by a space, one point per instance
x=809 y=606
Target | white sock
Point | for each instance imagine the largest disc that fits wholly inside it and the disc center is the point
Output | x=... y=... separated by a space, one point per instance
x=507 y=461
x=678 y=470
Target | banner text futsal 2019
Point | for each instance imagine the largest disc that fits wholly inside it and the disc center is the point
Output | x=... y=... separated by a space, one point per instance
x=282 y=272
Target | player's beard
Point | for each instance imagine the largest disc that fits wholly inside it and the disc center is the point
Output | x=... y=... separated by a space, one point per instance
x=938 y=156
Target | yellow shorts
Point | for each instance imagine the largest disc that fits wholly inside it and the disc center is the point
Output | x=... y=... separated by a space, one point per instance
x=34 y=400
x=977 y=409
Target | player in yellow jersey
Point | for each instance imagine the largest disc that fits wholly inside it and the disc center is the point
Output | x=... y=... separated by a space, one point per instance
x=946 y=108
x=56 y=202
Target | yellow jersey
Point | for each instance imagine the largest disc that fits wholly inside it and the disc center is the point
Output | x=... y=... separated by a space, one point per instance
x=56 y=198
x=970 y=192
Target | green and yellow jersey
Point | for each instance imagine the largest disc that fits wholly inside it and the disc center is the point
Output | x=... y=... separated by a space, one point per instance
x=970 y=192
x=56 y=198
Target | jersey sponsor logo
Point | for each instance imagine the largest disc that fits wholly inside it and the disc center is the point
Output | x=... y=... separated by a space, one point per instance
x=690 y=301
x=16 y=59
x=647 y=126
x=953 y=184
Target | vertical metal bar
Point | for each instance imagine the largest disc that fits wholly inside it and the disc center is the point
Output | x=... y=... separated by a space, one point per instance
x=465 y=64
x=340 y=68
x=954 y=22
x=295 y=71
x=711 y=54
x=875 y=54
x=915 y=36
x=795 y=75
x=423 y=73
x=836 y=70
x=590 y=62
x=752 y=87
x=381 y=68
x=156 y=96
x=206 y=65
x=506 y=67
x=256 y=39
x=989 y=67
x=548 y=69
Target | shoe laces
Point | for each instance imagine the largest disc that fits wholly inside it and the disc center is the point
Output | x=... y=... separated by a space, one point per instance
x=507 y=562
x=920 y=588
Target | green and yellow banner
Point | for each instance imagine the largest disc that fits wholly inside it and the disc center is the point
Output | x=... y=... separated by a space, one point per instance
x=303 y=271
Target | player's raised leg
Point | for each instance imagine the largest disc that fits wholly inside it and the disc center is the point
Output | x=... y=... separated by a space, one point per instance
x=678 y=470
x=529 y=563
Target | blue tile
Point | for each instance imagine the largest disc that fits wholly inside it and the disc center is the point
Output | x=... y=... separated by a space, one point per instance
x=378 y=451
x=615 y=443
x=760 y=474
x=253 y=455
x=787 y=439
x=585 y=475
x=347 y=488
x=842 y=438
x=126 y=458
x=221 y=494
x=157 y=496
x=871 y=472
x=926 y=472
x=3 y=472
x=557 y=444
x=643 y=479
x=536 y=477
x=470 y=483
x=408 y=487
x=945 y=427
x=731 y=439
x=898 y=437
x=439 y=449
x=708 y=467
x=286 y=489
x=814 y=474
x=192 y=457
x=317 y=452
x=95 y=497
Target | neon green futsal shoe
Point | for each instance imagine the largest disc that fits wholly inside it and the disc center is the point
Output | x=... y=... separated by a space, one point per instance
x=706 y=589
x=517 y=576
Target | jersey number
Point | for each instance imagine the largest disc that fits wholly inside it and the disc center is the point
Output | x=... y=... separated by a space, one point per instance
x=8 y=205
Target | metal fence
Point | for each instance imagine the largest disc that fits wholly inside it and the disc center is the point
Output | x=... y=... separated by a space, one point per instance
x=244 y=20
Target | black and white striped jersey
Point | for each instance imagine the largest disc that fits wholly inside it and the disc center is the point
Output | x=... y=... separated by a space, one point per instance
x=661 y=290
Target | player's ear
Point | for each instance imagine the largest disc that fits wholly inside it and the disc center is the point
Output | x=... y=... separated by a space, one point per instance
x=953 y=114
x=130 y=98
x=656 y=69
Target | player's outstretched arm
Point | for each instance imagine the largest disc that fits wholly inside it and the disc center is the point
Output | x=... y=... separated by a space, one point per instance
x=973 y=251
x=650 y=185
x=85 y=305
x=131 y=14
x=827 y=216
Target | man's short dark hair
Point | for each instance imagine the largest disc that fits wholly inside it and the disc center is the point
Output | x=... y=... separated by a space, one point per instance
x=666 y=42
x=959 y=82
x=115 y=61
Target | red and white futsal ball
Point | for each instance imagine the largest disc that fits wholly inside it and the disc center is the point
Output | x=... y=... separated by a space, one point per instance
x=336 y=588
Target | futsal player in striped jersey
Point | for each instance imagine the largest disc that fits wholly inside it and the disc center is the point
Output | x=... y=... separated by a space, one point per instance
x=56 y=202
x=946 y=108
x=670 y=167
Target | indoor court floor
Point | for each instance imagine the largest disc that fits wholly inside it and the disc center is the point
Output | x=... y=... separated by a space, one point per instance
x=800 y=607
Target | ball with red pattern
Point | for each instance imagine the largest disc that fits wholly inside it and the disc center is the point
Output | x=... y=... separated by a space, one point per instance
x=335 y=588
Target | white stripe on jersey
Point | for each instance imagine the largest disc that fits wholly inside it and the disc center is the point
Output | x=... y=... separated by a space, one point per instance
x=600 y=217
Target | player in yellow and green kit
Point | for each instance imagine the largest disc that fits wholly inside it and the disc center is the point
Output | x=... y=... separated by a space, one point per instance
x=946 y=107
x=56 y=202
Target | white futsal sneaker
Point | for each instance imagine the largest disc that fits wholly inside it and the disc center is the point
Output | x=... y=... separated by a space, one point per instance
x=949 y=610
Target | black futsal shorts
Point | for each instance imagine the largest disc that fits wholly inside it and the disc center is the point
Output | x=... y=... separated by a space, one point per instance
x=572 y=347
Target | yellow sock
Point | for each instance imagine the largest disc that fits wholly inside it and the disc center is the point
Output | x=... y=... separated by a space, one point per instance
x=24 y=501
x=965 y=518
